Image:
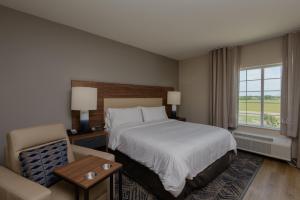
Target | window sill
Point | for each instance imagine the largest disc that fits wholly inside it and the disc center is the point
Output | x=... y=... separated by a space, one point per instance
x=259 y=130
x=258 y=127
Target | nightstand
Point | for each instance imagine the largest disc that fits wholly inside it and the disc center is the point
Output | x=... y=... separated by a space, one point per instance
x=181 y=119
x=90 y=135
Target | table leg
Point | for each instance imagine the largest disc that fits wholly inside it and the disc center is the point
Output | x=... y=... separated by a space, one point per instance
x=111 y=187
x=120 y=185
x=77 y=193
x=86 y=195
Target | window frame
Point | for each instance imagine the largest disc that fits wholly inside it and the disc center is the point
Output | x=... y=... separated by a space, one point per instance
x=262 y=92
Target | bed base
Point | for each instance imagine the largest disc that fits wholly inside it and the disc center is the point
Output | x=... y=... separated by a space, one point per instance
x=151 y=182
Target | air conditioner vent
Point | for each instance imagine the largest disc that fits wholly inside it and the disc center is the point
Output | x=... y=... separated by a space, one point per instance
x=276 y=146
x=253 y=145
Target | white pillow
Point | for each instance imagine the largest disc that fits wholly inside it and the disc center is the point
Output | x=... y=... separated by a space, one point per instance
x=154 y=113
x=119 y=116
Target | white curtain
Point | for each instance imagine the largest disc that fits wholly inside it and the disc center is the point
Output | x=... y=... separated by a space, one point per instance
x=224 y=66
x=290 y=92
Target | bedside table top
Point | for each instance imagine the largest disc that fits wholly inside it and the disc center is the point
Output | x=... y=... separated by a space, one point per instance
x=75 y=171
x=88 y=135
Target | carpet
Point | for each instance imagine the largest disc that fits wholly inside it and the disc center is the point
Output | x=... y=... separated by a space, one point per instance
x=232 y=184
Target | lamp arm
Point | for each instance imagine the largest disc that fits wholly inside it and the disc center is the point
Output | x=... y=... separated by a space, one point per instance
x=174 y=108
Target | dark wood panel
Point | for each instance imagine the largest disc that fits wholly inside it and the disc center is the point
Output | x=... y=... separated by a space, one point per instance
x=116 y=90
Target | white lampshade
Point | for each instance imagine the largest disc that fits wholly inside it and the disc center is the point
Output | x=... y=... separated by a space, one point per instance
x=84 y=98
x=174 y=97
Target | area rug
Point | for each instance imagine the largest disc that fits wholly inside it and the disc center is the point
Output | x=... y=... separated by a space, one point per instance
x=232 y=184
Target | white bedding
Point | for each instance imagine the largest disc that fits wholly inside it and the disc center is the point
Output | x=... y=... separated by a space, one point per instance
x=174 y=150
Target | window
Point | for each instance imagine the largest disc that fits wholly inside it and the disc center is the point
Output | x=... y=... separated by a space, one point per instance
x=259 y=96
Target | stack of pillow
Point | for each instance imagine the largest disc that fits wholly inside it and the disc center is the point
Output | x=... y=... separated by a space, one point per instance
x=118 y=116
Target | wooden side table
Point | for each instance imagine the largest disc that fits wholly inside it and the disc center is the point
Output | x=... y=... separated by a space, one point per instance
x=76 y=172
x=82 y=136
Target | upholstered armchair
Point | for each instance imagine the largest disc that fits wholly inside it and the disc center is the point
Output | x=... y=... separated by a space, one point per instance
x=13 y=186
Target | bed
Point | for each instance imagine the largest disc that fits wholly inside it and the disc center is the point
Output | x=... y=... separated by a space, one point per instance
x=177 y=152
x=168 y=158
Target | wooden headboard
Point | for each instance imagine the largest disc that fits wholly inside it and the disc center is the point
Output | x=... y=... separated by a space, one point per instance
x=150 y=95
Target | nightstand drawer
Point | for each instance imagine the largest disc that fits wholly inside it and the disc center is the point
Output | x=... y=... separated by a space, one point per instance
x=92 y=139
x=92 y=143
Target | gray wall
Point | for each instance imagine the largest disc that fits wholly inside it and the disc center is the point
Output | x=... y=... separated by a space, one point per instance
x=194 y=86
x=38 y=60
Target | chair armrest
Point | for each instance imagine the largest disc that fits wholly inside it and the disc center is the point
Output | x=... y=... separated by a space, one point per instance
x=16 y=187
x=80 y=152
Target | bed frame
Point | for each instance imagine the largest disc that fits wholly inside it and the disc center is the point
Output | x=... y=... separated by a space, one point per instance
x=111 y=95
x=150 y=181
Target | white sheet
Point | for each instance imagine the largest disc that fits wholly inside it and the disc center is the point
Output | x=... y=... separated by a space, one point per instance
x=174 y=150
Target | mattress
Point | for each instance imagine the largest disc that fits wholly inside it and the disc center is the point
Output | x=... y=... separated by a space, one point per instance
x=176 y=151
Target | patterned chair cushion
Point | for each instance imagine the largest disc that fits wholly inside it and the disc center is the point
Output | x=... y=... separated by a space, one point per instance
x=38 y=164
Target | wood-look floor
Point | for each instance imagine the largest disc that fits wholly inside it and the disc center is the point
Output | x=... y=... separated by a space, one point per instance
x=276 y=180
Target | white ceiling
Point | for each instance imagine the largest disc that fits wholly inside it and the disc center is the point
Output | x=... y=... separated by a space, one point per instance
x=177 y=29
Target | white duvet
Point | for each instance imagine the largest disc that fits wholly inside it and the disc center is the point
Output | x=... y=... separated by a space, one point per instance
x=174 y=150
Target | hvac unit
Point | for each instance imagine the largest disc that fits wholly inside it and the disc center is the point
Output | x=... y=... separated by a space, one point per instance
x=276 y=146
